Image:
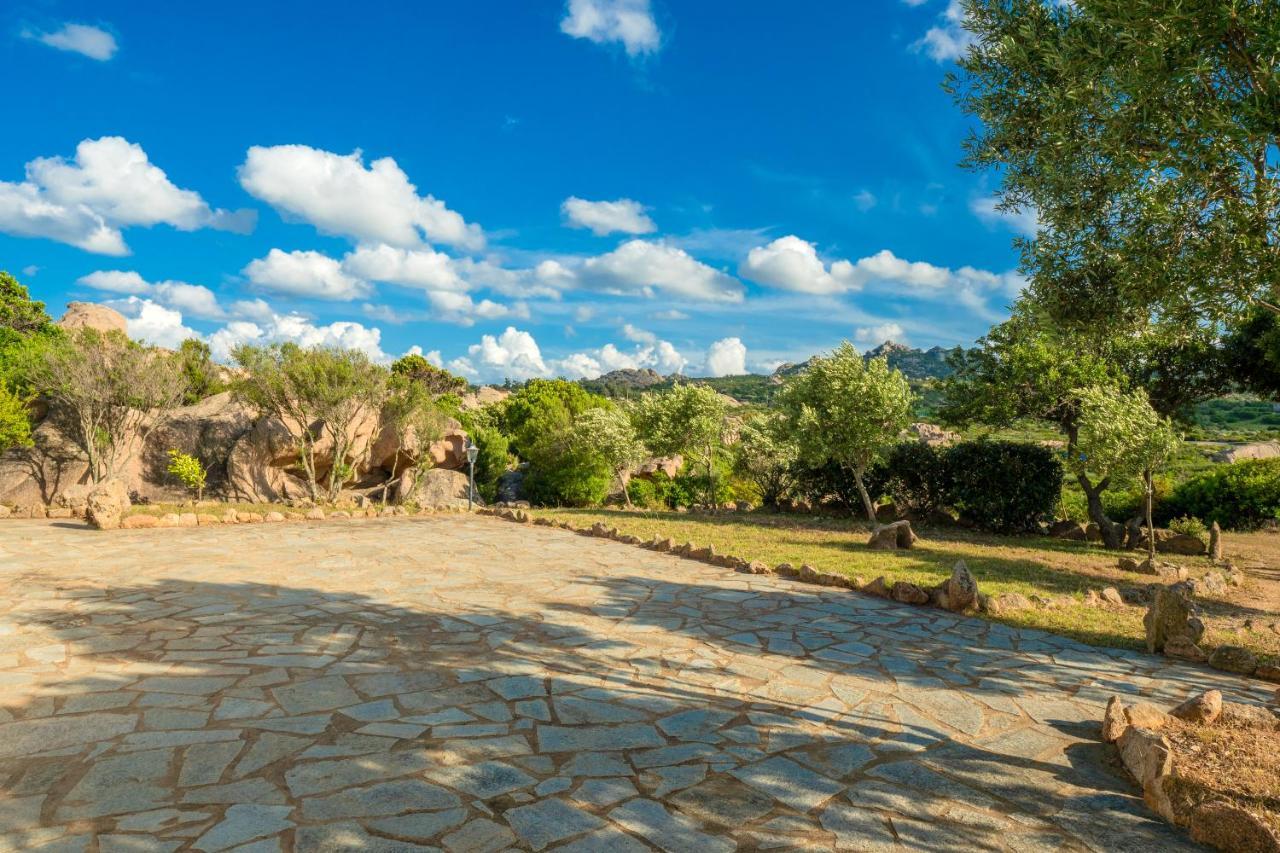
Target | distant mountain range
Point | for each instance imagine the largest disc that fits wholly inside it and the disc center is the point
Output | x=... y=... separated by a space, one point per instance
x=757 y=388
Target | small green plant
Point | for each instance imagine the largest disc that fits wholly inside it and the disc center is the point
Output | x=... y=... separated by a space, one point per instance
x=1190 y=526
x=189 y=471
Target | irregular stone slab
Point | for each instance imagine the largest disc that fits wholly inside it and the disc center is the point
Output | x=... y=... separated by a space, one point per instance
x=548 y=821
x=596 y=738
x=30 y=736
x=242 y=823
x=267 y=749
x=204 y=764
x=723 y=801
x=319 y=694
x=320 y=776
x=422 y=826
x=857 y=828
x=481 y=836
x=667 y=830
x=485 y=779
x=788 y=782
x=387 y=798
x=350 y=837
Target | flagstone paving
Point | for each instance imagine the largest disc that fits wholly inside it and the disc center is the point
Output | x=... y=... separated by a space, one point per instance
x=470 y=685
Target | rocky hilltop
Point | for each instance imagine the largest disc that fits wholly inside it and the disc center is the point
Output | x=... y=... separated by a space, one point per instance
x=914 y=363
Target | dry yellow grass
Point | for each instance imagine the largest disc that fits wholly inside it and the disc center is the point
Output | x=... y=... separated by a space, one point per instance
x=1062 y=572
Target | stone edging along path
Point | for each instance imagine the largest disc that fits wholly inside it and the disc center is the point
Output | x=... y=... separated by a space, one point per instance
x=958 y=594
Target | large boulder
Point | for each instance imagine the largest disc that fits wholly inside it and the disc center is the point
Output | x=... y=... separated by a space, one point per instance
x=107 y=504
x=893 y=536
x=208 y=430
x=932 y=434
x=436 y=487
x=1253 y=450
x=258 y=467
x=1173 y=619
x=88 y=315
x=668 y=465
x=957 y=593
x=485 y=395
x=1179 y=543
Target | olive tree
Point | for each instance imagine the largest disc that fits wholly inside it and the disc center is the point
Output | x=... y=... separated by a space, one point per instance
x=1142 y=135
x=608 y=433
x=411 y=415
x=1121 y=436
x=848 y=410
x=108 y=392
x=689 y=420
x=767 y=455
x=319 y=394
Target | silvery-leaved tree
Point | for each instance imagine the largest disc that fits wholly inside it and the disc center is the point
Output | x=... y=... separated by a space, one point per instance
x=767 y=455
x=318 y=394
x=1142 y=137
x=410 y=413
x=848 y=410
x=688 y=420
x=608 y=433
x=107 y=392
x=1120 y=436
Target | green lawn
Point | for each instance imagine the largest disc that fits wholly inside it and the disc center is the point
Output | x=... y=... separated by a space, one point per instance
x=1050 y=568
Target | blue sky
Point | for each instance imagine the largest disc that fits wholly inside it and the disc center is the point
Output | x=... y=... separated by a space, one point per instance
x=520 y=188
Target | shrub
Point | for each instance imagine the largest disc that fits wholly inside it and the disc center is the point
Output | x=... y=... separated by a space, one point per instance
x=204 y=378
x=1004 y=486
x=566 y=476
x=492 y=461
x=830 y=484
x=189 y=471
x=1239 y=495
x=1190 y=526
x=917 y=477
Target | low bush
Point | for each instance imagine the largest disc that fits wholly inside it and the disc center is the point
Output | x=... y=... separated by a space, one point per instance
x=492 y=461
x=1237 y=496
x=916 y=476
x=1004 y=486
x=1190 y=526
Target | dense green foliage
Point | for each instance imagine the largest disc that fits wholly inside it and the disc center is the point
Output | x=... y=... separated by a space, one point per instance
x=1240 y=495
x=690 y=421
x=767 y=456
x=917 y=477
x=847 y=410
x=19 y=313
x=436 y=380
x=15 y=420
x=204 y=378
x=1004 y=486
x=1143 y=134
x=492 y=460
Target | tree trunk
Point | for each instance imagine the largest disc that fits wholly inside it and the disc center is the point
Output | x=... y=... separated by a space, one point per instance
x=867 y=503
x=1151 y=530
x=711 y=475
x=395 y=463
x=1112 y=533
x=626 y=495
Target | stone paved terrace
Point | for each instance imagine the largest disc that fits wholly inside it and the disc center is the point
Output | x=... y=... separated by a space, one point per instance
x=473 y=685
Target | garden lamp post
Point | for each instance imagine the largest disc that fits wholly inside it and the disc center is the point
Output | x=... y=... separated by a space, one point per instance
x=472 y=453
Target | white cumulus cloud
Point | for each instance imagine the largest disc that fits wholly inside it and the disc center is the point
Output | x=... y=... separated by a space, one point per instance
x=1025 y=221
x=93 y=42
x=606 y=217
x=727 y=357
x=310 y=275
x=638 y=266
x=880 y=333
x=338 y=194
x=294 y=328
x=152 y=323
x=628 y=22
x=514 y=354
x=193 y=299
x=424 y=268
x=949 y=39
x=109 y=185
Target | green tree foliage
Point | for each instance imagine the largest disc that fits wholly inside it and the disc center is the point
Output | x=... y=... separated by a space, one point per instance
x=107 y=392
x=1143 y=134
x=917 y=477
x=411 y=415
x=1003 y=486
x=1252 y=352
x=189 y=471
x=318 y=393
x=20 y=313
x=204 y=378
x=436 y=380
x=608 y=433
x=1237 y=496
x=847 y=410
x=15 y=420
x=689 y=420
x=493 y=459
x=767 y=456
x=541 y=408
x=1121 y=436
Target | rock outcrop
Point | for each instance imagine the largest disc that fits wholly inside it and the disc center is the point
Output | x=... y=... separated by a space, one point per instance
x=1253 y=450
x=88 y=315
x=1173 y=622
x=890 y=537
x=437 y=487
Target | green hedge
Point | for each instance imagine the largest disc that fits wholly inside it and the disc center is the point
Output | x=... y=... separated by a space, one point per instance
x=1003 y=486
x=1237 y=496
